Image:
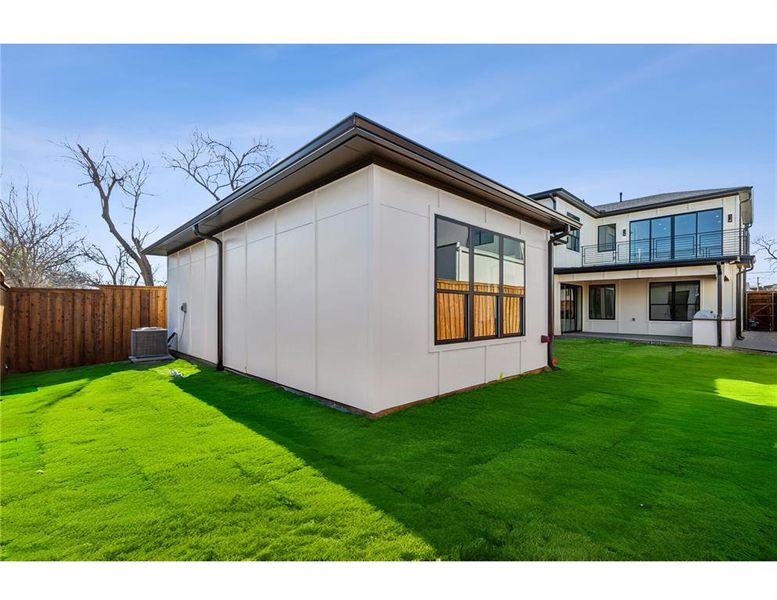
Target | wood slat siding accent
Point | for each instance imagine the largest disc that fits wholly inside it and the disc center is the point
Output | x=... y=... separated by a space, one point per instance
x=55 y=328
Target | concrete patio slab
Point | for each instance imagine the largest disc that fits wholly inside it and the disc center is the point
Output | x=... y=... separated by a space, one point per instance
x=628 y=337
x=764 y=341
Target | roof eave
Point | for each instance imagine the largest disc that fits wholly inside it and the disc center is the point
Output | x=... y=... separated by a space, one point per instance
x=699 y=198
x=342 y=137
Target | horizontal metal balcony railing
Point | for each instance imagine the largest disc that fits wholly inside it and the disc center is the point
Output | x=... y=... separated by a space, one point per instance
x=714 y=244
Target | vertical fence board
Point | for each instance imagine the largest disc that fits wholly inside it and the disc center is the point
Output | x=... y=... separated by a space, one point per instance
x=98 y=310
x=118 y=300
x=78 y=332
x=36 y=332
x=145 y=313
x=67 y=329
x=88 y=347
x=22 y=331
x=57 y=303
x=55 y=328
x=106 y=300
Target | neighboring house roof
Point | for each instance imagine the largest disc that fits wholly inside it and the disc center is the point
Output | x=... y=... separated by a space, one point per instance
x=654 y=201
x=667 y=199
x=351 y=144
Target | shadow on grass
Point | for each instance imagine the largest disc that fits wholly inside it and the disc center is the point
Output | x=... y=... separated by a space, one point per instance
x=18 y=384
x=577 y=464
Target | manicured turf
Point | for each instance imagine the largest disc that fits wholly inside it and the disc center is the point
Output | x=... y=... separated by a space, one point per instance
x=628 y=452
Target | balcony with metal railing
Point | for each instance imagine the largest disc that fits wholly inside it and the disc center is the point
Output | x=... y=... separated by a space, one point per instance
x=676 y=248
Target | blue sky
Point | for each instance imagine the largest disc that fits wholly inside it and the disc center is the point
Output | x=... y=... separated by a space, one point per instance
x=597 y=120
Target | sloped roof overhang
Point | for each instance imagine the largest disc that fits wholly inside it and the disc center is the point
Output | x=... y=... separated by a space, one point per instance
x=351 y=144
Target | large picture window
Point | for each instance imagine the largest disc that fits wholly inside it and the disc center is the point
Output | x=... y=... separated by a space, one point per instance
x=601 y=302
x=674 y=300
x=479 y=283
x=677 y=237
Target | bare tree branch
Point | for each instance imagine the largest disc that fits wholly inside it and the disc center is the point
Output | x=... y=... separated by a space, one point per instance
x=34 y=253
x=768 y=246
x=216 y=166
x=106 y=177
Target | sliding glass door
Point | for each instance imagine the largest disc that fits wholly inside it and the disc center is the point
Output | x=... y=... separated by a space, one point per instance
x=570 y=308
x=677 y=237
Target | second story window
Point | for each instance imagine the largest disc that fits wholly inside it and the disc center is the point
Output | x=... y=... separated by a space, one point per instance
x=605 y=239
x=573 y=239
x=677 y=237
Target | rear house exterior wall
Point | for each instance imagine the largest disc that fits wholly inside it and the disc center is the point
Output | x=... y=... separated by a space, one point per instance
x=332 y=294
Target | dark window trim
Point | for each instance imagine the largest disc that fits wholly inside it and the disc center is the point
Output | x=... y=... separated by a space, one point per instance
x=606 y=246
x=469 y=321
x=590 y=304
x=672 y=303
x=573 y=239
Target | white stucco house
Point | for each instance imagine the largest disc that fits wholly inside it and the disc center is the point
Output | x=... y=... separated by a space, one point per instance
x=368 y=271
x=646 y=266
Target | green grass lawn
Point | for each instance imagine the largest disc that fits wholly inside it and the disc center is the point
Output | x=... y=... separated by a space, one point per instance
x=629 y=452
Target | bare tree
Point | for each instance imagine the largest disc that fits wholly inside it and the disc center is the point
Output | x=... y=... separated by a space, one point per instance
x=107 y=178
x=34 y=253
x=768 y=246
x=217 y=166
x=117 y=269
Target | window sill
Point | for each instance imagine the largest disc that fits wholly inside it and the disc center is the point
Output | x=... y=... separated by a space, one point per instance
x=477 y=343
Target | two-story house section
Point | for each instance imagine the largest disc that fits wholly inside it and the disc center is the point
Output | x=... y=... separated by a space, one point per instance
x=646 y=266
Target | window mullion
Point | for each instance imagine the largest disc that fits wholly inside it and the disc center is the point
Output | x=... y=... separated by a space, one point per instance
x=471 y=294
x=500 y=289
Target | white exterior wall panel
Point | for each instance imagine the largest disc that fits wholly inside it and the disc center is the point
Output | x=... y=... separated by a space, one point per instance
x=303 y=322
x=332 y=294
x=295 y=311
x=191 y=278
x=408 y=364
x=260 y=294
x=342 y=300
x=234 y=298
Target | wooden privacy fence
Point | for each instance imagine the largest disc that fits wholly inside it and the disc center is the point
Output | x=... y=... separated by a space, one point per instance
x=451 y=308
x=54 y=328
x=762 y=310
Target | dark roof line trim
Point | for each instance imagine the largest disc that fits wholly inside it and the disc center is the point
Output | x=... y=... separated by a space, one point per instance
x=614 y=208
x=698 y=198
x=568 y=197
x=351 y=127
x=314 y=146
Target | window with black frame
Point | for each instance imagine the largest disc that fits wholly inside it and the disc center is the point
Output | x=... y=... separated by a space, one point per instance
x=677 y=237
x=674 y=300
x=479 y=283
x=605 y=240
x=601 y=302
x=573 y=239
